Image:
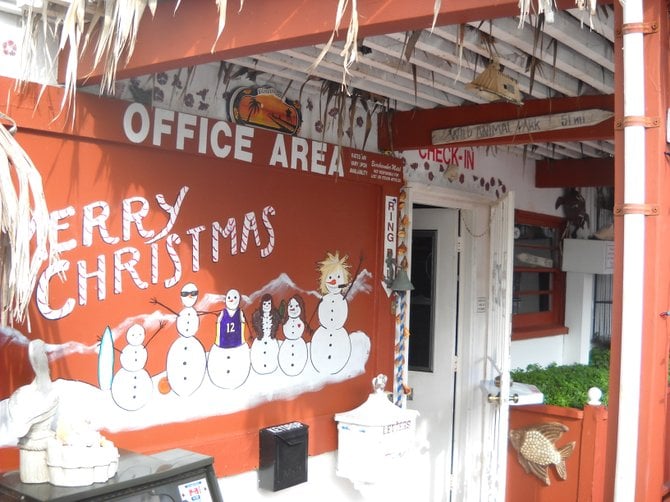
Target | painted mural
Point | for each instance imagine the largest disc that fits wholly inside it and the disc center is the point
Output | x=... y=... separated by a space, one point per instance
x=206 y=270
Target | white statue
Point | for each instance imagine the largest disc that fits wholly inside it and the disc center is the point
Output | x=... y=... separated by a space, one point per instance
x=34 y=404
x=28 y=415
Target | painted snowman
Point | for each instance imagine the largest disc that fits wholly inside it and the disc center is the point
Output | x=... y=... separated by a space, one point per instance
x=331 y=345
x=265 y=348
x=186 y=358
x=132 y=386
x=293 y=353
x=229 y=360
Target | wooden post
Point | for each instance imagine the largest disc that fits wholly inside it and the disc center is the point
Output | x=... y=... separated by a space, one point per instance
x=593 y=454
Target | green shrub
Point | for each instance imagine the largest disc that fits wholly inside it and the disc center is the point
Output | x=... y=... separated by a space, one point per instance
x=568 y=385
x=600 y=357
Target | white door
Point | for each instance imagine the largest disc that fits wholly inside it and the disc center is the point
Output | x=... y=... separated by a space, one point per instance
x=434 y=385
x=462 y=434
x=496 y=415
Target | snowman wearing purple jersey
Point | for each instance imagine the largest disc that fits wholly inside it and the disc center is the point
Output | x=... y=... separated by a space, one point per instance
x=331 y=345
x=229 y=362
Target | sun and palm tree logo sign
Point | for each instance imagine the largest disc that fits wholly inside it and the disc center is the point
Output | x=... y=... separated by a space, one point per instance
x=264 y=107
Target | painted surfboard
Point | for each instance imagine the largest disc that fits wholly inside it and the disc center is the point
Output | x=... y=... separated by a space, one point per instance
x=106 y=360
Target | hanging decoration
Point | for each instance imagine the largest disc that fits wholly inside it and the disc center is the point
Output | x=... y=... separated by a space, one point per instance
x=400 y=389
x=23 y=213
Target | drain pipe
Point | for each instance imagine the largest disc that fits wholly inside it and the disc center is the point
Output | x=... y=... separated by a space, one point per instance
x=633 y=252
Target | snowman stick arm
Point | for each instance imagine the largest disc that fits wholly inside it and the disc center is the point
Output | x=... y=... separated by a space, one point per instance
x=100 y=341
x=155 y=301
x=309 y=332
x=206 y=312
x=247 y=335
x=355 y=276
x=309 y=322
x=161 y=325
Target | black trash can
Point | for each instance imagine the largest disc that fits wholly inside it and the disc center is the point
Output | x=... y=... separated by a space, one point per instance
x=282 y=456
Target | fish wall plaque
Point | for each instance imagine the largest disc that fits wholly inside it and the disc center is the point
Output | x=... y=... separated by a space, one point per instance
x=536 y=449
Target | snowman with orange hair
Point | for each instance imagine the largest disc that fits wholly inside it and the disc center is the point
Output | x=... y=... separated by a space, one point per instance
x=331 y=346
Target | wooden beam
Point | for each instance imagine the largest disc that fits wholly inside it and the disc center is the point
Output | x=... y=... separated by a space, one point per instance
x=574 y=173
x=413 y=129
x=185 y=37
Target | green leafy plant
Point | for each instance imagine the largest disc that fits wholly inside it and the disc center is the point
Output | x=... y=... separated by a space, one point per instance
x=568 y=385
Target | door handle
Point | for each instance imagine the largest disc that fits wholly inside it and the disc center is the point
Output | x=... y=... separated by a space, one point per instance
x=496 y=398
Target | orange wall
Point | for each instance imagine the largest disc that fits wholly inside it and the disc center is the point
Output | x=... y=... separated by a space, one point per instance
x=89 y=167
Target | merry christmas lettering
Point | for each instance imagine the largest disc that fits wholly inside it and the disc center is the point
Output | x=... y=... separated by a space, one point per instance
x=181 y=131
x=126 y=260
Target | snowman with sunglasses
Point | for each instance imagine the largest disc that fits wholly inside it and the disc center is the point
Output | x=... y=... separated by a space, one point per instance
x=186 y=358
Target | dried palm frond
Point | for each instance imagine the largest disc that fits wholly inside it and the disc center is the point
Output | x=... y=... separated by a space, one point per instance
x=36 y=52
x=222 y=5
x=534 y=62
x=71 y=34
x=409 y=45
x=369 y=113
x=350 y=49
x=114 y=23
x=460 y=44
x=436 y=10
x=117 y=37
x=548 y=7
x=23 y=214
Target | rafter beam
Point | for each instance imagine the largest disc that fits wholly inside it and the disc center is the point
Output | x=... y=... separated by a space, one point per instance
x=271 y=26
x=413 y=129
x=574 y=173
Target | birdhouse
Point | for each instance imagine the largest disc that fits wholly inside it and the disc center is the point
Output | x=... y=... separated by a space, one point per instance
x=374 y=439
x=492 y=84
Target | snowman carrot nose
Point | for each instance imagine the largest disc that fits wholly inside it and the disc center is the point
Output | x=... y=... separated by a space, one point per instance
x=333 y=282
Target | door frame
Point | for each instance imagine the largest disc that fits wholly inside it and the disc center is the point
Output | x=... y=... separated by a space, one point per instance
x=470 y=479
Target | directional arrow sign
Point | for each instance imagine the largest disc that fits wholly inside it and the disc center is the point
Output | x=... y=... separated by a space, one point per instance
x=525 y=125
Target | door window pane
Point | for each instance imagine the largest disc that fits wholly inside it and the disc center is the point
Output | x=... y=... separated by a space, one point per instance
x=421 y=323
